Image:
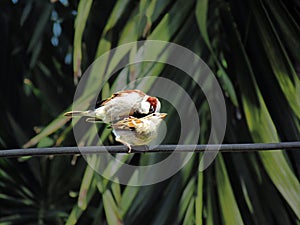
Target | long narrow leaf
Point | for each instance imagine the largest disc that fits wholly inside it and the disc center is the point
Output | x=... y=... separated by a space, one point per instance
x=230 y=210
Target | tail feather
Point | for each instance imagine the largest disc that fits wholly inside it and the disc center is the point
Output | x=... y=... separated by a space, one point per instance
x=89 y=113
x=94 y=120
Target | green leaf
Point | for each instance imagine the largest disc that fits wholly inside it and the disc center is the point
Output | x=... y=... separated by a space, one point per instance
x=189 y=218
x=105 y=42
x=283 y=177
x=261 y=126
x=111 y=209
x=40 y=26
x=45 y=142
x=129 y=195
x=51 y=128
x=86 y=186
x=186 y=199
x=278 y=58
x=87 y=191
x=230 y=210
x=17 y=130
x=80 y=22
x=199 y=198
x=201 y=12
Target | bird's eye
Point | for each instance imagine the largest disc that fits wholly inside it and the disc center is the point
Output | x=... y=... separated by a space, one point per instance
x=151 y=109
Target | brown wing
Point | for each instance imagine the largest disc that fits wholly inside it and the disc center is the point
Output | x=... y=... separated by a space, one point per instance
x=117 y=94
x=102 y=102
x=126 y=124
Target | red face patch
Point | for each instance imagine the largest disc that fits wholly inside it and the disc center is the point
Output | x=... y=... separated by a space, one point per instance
x=153 y=104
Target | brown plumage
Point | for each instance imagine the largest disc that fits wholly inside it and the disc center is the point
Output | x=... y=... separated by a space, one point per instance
x=121 y=105
x=137 y=131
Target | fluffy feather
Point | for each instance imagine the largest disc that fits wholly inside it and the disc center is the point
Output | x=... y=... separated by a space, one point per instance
x=138 y=131
x=121 y=105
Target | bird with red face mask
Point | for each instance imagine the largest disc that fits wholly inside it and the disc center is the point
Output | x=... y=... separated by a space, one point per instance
x=121 y=105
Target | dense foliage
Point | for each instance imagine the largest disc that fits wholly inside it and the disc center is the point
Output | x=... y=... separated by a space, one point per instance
x=252 y=46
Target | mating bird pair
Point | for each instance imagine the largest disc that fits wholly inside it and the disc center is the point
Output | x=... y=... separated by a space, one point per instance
x=133 y=116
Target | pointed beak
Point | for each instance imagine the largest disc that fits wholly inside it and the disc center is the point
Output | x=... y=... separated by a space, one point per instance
x=163 y=115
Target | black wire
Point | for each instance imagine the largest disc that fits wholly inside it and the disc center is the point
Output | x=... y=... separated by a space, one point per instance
x=251 y=147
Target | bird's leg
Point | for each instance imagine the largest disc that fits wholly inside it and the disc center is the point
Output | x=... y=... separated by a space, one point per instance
x=124 y=143
x=129 y=148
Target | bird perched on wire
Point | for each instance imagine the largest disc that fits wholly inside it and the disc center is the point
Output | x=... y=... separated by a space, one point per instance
x=121 y=105
x=134 y=131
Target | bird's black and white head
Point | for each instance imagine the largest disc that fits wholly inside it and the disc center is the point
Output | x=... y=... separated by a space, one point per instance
x=149 y=105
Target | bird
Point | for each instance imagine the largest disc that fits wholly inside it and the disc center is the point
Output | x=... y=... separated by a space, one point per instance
x=120 y=105
x=133 y=131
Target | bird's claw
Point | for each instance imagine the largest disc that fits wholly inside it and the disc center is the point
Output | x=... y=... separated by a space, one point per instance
x=129 y=149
